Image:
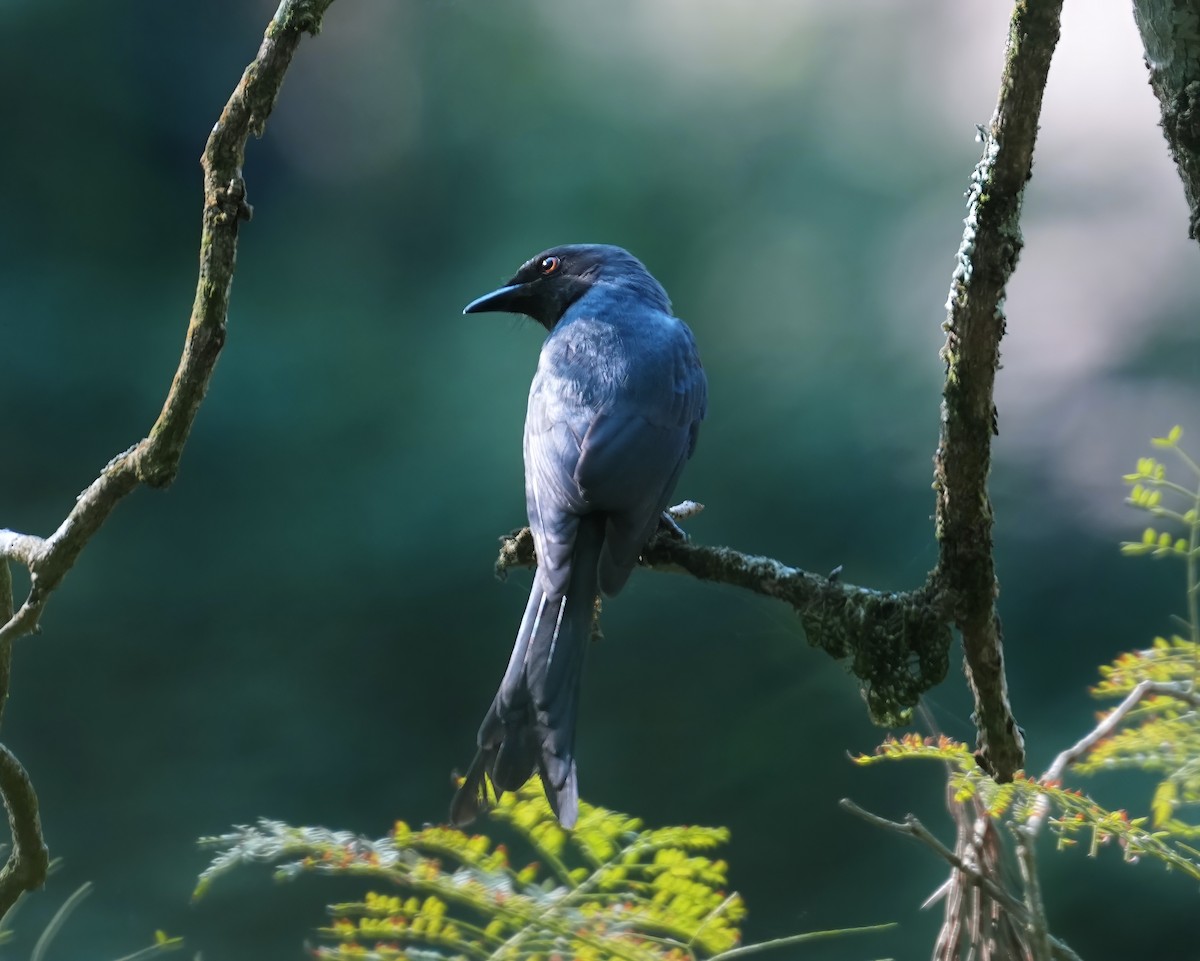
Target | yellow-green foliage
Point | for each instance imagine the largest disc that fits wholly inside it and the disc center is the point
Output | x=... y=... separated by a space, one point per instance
x=1161 y=734
x=610 y=889
x=1072 y=814
x=1155 y=727
x=1152 y=491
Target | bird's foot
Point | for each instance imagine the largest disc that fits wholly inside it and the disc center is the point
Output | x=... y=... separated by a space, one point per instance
x=669 y=521
x=667 y=525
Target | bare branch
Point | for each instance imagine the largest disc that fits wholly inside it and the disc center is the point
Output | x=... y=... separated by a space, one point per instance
x=1039 y=934
x=1054 y=773
x=6 y=613
x=20 y=547
x=913 y=828
x=155 y=459
x=975 y=927
x=28 y=861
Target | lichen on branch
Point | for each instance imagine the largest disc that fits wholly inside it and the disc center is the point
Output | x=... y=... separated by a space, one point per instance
x=1170 y=32
x=896 y=643
x=974 y=326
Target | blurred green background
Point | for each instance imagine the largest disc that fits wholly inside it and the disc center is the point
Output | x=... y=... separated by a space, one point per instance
x=306 y=625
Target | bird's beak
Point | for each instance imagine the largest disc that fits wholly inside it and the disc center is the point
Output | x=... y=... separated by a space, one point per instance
x=507 y=299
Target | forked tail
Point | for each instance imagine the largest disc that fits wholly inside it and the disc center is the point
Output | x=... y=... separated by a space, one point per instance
x=531 y=723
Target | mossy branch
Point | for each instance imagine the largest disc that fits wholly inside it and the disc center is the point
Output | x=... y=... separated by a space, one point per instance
x=896 y=644
x=1170 y=32
x=154 y=460
x=974 y=325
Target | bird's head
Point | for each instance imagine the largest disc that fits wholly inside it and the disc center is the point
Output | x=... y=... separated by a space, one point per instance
x=548 y=284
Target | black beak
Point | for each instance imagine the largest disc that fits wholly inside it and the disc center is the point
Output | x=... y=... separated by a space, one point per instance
x=509 y=299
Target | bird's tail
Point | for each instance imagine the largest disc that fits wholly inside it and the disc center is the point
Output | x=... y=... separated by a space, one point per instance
x=531 y=723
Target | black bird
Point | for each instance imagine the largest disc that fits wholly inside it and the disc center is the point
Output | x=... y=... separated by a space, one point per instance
x=614 y=410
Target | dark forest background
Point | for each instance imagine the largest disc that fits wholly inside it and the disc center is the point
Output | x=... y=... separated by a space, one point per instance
x=306 y=625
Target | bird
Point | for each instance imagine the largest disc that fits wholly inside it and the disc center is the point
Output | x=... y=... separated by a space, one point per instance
x=614 y=412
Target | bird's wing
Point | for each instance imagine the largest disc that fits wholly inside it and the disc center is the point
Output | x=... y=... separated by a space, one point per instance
x=634 y=443
x=612 y=435
x=554 y=431
x=635 y=449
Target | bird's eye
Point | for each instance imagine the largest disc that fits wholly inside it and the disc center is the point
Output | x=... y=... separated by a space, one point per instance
x=549 y=265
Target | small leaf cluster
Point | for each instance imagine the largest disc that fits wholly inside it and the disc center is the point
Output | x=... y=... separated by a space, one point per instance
x=1149 y=485
x=1160 y=734
x=1072 y=813
x=1154 y=728
x=610 y=889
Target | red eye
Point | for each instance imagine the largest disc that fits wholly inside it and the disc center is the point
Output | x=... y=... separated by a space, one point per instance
x=549 y=265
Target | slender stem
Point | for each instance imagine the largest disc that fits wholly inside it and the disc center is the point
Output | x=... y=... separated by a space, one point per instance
x=60 y=918
x=749 y=949
x=1184 y=690
x=1168 y=514
x=913 y=828
x=6 y=613
x=1169 y=486
x=1187 y=459
x=1039 y=934
x=1193 y=602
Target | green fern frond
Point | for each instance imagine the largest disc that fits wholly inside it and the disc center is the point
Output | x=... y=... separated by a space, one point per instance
x=610 y=889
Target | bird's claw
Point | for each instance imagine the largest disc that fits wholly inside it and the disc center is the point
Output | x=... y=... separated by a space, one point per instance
x=667 y=525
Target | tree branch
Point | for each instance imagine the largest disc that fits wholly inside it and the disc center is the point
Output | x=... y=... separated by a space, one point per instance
x=1170 y=32
x=155 y=459
x=1183 y=690
x=1039 y=933
x=897 y=644
x=974 y=325
x=913 y=828
x=29 y=860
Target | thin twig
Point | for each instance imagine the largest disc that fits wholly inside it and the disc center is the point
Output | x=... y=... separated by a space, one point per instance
x=6 y=613
x=28 y=860
x=1054 y=773
x=1039 y=932
x=50 y=932
x=749 y=949
x=913 y=828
